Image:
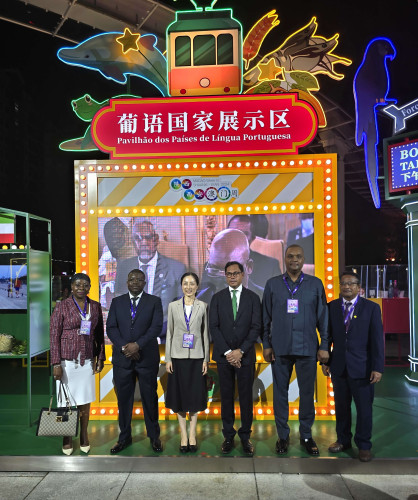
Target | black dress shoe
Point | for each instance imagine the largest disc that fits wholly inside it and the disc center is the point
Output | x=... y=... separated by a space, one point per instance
x=338 y=447
x=121 y=445
x=247 y=447
x=193 y=447
x=156 y=445
x=227 y=446
x=184 y=449
x=310 y=446
x=282 y=446
x=364 y=455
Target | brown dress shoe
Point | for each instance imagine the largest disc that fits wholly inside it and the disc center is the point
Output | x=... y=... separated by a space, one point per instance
x=338 y=447
x=364 y=455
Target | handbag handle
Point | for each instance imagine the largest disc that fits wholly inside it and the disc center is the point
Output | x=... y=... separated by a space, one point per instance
x=67 y=401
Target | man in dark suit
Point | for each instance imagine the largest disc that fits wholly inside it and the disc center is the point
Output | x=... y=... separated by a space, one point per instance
x=356 y=363
x=294 y=307
x=162 y=274
x=133 y=325
x=264 y=267
x=235 y=324
x=227 y=245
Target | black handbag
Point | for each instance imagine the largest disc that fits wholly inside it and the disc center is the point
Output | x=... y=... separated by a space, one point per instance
x=58 y=421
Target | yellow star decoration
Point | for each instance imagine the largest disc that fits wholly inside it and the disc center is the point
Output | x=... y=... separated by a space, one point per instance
x=129 y=41
x=269 y=70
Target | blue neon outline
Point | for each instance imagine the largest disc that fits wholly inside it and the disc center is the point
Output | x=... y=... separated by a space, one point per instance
x=376 y=202
x=165 y=93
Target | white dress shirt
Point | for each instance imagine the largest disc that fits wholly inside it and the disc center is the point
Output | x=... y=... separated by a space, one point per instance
x=150 y=270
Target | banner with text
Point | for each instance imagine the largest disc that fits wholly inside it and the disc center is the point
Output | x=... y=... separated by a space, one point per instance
x=202 y=126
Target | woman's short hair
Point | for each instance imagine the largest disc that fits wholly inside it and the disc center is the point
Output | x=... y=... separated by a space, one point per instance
x=80 y=276
x=193 y=275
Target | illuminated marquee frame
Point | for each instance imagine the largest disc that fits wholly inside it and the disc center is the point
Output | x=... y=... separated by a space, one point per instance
x=323 y=206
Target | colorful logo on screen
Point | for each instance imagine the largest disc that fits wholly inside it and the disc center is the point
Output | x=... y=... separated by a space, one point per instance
x=175 y=184
x=188 y=195
x=204 y=189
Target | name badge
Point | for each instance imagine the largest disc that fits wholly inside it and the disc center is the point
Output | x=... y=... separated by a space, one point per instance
x=85 y=327
x=292 y=306
x=188 y=340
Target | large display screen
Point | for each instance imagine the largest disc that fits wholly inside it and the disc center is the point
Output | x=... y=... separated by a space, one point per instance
x=13 y=281
x=166 y=247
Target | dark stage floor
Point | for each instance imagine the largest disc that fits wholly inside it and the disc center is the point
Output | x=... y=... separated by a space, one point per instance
x=395 y=444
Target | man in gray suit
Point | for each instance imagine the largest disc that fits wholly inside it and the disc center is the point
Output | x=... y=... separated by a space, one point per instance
x=294 y=306
x=162 y=274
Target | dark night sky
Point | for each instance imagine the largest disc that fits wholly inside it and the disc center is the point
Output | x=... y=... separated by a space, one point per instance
x=52 y=85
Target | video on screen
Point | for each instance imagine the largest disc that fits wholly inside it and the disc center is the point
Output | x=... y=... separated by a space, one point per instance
x=166 y=247
x=13 y=281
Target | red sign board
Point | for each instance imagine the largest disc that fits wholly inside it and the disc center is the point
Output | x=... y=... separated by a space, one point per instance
x=204 y=126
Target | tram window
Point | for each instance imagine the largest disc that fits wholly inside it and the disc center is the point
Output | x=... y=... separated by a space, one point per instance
x=204 y=50
x=225 y=49
x=183 y=51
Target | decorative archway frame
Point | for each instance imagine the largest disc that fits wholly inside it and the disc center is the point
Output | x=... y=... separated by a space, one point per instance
x=323 y=204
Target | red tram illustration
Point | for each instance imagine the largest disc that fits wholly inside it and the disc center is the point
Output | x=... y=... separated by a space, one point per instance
x=204 y=53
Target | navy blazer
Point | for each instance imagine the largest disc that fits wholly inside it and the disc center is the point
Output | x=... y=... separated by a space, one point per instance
x=143 y=329
x=361 y=350
x=241 y=333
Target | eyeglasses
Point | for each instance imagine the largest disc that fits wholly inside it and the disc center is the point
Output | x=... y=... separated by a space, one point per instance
x=233 y=275
x=349 y=283
x=214 y=272
x=146 y=237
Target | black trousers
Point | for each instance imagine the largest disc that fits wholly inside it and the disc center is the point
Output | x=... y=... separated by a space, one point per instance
x=125 y=380
x=245 y=378
x=362 y=391
x=306 y=374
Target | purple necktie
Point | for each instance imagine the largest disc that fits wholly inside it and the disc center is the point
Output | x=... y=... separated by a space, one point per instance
x=348 y=320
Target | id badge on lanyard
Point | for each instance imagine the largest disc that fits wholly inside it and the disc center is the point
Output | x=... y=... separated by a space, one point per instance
x=188 y=338
x=85 y=327
x=293 y=304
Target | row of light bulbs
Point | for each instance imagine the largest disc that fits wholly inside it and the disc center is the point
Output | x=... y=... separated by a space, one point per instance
x=203 y=165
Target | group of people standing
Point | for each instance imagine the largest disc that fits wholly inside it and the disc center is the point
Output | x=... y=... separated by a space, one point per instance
x=293 y=309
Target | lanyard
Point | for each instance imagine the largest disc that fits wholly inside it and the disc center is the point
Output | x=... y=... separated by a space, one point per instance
x=133 y=309
x=187 y=319
x=350 y=310
x=297 y=285
x=83 y=313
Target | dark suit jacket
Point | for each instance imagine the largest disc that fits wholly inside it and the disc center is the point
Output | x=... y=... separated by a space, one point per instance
x=361 y=350
x=241 y=333
x=294 y=237
x=265 y=267
x=144 y=329
x=166 y=282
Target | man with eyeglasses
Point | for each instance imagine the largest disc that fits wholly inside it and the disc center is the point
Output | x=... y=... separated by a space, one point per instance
x=227 y=245
x=133 y=325
x=356 y=363
x=162 y=274
x=294 y=307
x=235 y=324
x=264 y=267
